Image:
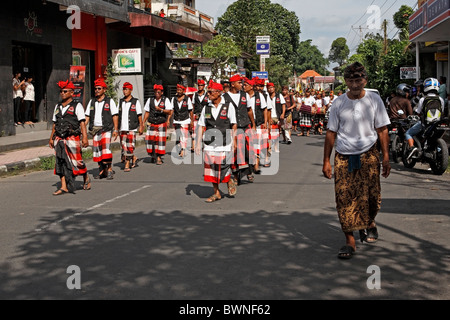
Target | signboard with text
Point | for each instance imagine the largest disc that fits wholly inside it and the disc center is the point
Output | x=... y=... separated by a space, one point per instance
x=127 y=60
x=408 y=73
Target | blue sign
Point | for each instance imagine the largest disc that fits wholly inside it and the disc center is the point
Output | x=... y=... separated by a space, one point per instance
x=262 y=48
x=260 y=74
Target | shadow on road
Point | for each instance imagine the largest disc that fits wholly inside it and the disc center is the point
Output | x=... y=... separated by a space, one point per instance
x=240 y=256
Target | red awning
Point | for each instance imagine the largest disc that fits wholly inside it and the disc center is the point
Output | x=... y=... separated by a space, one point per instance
x=157 y=28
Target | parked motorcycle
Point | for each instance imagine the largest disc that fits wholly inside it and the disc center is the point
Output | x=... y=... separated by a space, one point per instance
x=431 y=148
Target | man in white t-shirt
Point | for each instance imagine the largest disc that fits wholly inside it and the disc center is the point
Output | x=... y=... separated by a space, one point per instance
x=183 y=119
x=17 y=97
x=102 y=115
x=358 y=120
x=68 y=136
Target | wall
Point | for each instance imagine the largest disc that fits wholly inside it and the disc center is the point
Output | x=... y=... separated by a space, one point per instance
x=47 y=27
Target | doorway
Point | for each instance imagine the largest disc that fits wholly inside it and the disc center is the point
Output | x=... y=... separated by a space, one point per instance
x=36 y=61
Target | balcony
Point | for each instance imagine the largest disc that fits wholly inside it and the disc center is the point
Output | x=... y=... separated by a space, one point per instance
x=186 y=16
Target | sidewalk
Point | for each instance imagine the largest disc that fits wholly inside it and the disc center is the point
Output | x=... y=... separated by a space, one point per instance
x=26 y=150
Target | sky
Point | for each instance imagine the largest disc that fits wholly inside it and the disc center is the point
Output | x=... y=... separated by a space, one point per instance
x=323 y=21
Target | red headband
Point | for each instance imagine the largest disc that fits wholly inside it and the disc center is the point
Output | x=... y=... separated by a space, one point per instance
x=201 y=82
x=100 y=82
x=179 y=86
x=270 y=84
x=66 y=85
x=235 y=78
x=215 y=86
x=158 y=87
x=127 y=85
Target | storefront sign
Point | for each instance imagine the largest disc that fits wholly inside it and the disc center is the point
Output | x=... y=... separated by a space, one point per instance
x=408 y=73
x=127 y=60
x=441 y=56
x=31 y=24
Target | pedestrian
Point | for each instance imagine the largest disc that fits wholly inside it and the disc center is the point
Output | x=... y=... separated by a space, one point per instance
x=245 y=156
x=102 y=114
x=278 y=111
x=306 y=112
x=68 y=136
x=258 y=105
x=28 y=100
x=358 y=120
x=329 y=100
x=218 y=120
x=130 y=123
x=443 y=87
x=200 y=100
x=183 y=119
x=226 y=86
x=400 y=106
x=157 y=116
x=264 y=131
x=17 y=97
x=319 y=116
x=290 y=106
x=161 y=13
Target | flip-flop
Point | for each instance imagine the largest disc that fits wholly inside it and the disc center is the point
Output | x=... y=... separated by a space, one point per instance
x=60 y=192
x=126 y=170
x=372 y=234
x=346 y=252
x=135 y=163
x=87 y=184
x=232 y=188
x=213 y=198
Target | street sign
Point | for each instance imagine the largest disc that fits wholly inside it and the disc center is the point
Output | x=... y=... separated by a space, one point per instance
x=263 y=39
x=262 y=48
x=260 y=74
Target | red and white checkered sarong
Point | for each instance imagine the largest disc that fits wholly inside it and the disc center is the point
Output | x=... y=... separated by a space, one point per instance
x=275 y=131
x=261 y=140
x=71 y=147
x=128 y=142
x=156 y=138
x=183 y=135
x=245 y=154
x=101 y=147
x=217 y=166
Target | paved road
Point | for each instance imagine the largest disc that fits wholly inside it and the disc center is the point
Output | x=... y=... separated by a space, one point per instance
x=149 y=235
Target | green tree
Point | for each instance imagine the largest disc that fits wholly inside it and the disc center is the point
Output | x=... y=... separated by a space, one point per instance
x=309 y=57
x=401 y=21
x=244 y=20
x=224 y=50
x=339 y=51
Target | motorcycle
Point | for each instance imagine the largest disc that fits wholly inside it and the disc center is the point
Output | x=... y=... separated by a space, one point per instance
x=397 y=132
x=431 y=148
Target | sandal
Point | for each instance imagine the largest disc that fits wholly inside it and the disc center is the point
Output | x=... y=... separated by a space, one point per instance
x=251 y=178
x=213 y=198
x=372 y=235
x=126 y=170
x=135 y=163
x=346 y=252
x=159 y=162
x=60 y=192
x=87 y=184
x=232 y=188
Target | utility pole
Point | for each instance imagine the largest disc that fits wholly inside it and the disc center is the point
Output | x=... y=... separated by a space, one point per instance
x=385 y=44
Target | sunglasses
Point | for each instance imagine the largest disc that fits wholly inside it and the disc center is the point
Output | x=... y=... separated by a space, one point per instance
x=98 y=88
x=64 y=91
x=212 y=92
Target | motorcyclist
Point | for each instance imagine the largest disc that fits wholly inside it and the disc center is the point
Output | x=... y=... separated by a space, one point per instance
x=417 y=94
x=431 y=89
x=400 y=106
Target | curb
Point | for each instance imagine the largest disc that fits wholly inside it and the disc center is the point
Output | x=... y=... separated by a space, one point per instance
x=25 y=165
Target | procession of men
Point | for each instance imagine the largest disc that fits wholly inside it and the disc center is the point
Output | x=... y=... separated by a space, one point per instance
x=235 y=125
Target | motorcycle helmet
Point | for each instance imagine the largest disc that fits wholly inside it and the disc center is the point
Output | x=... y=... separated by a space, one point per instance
x=418 y=83
x=430 y=84
x=403 y=89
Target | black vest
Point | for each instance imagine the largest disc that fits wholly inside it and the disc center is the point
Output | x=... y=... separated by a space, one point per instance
x=68 y=124
x=214 y=126
x=107 y=120
x=157 y=117
x=199 y=105
x=133 y=117
x=259 y=113
x=278 y=106
x=181 y=114
x=243 y=121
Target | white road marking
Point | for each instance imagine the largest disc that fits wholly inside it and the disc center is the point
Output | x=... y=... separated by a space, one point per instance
x=48 y=226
